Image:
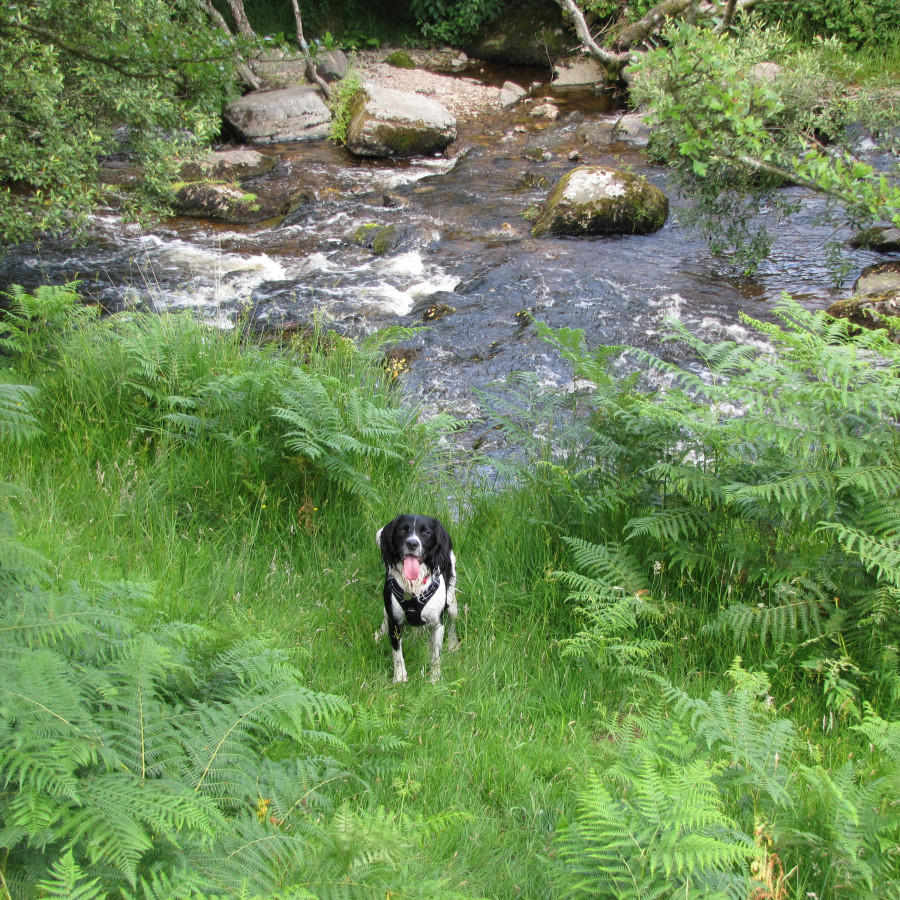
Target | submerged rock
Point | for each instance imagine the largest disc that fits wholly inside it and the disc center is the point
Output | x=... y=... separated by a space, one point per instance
x=228 y=165
x=380 y=239
x=294 y=113
x=386 y=122
x=600 y=200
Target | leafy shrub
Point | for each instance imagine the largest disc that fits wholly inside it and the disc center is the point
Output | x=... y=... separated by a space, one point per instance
x=859 y=23
x=342 y=94
x=454 y=21
x=734 y=140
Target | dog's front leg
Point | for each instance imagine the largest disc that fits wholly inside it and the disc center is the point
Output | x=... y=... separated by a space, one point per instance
x=437 y=641
x=396 y=635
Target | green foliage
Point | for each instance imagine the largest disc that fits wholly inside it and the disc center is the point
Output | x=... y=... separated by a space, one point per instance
x=714 y=798
x=734 y=139
x=454 y=21
x=768 y=489
x=85 y=80
x=332 y=422
x=859 y=23
x=33 y=323
x=342 y=94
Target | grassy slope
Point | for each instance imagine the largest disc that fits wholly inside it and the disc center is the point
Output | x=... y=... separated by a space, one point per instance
x=500 y=740
x=509 y=734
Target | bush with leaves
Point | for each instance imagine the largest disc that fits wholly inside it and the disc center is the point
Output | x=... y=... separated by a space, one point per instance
x=735 y=138
x=85 y=80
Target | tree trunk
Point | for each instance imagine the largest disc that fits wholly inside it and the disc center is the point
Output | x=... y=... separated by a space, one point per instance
x=311 y=72
x=244 y=71
x=245 y=29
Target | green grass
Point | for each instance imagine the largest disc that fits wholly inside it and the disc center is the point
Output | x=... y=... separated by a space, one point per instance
x=252 y=540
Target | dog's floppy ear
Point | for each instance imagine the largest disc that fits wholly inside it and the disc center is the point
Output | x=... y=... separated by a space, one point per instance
x=442 y=547
x=385 y=540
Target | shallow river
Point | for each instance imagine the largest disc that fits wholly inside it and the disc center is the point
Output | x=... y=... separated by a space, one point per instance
x=465 y=247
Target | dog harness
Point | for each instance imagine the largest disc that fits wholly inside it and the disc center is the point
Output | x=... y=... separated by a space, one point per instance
x=413 y=604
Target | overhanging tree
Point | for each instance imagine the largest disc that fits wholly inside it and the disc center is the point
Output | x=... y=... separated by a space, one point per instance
x=84 y=80
x=735 y=136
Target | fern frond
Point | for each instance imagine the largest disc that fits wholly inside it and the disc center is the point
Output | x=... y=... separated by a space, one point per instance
x=881 y=555
x=67 y=881
x=18 y=423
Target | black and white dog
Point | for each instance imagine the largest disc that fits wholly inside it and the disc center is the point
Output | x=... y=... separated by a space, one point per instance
x=419 y=586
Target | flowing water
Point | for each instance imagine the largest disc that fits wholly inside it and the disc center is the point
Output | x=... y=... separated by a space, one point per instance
x=466 y=265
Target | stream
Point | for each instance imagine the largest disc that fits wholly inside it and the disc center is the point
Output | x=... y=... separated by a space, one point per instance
x=466 y=265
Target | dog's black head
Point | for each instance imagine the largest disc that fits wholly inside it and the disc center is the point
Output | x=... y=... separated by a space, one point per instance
x=420 y=538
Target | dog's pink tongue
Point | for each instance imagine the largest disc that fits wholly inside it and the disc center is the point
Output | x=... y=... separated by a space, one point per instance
x=411 y=568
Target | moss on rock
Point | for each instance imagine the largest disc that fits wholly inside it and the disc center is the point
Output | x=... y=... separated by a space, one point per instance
x=600 y=200
x=400 y=59
x=380 y=239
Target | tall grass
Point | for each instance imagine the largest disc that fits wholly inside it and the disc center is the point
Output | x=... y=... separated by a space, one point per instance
x=595 y=698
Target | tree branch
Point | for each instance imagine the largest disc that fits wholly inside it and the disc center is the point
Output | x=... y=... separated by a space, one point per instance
x=612 y=61
x=311 y=72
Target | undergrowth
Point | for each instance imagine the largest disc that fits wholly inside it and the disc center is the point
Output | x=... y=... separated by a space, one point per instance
x=680 y=621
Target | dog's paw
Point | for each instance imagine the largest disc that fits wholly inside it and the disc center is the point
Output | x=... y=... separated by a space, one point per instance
x=453 y=644
x=377 y=636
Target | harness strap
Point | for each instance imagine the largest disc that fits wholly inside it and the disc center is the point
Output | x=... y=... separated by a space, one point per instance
x=413 y=602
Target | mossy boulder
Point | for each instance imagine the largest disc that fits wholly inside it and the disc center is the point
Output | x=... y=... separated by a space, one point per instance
x=400 y=59
x=385 y=122
x=229 y=203
x=601 y=200
x=380 y=239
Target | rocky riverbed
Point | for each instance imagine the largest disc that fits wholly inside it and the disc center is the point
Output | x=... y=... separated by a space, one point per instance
x=458 y=264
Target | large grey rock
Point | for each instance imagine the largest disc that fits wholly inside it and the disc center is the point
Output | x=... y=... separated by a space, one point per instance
x=879 y=278
x=228 y=165
x=578 y=72
x=600 y=200
x=332 y=65
x=511 y=93
x=387 y=122
x=294 y=113
x=278 y=68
